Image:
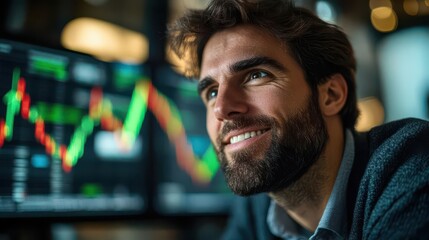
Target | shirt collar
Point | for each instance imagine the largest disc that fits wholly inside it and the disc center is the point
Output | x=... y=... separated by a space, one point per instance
x=334 y=218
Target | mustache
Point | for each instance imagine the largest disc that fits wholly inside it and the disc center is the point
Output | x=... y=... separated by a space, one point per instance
x=242 y=122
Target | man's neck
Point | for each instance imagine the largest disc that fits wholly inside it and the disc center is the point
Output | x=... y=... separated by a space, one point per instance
x=305 y=200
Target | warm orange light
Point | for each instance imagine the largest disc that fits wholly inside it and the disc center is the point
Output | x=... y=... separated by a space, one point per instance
x=371 y=113
x=384 y=19
x=105 y=40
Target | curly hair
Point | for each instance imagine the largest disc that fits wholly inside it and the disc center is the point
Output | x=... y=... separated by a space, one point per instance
x=320 y=48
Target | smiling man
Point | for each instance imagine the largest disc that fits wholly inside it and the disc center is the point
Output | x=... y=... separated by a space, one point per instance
x=245 y=80
x=279 y=88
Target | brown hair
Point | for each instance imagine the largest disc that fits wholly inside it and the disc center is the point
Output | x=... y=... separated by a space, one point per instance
x=320 y=48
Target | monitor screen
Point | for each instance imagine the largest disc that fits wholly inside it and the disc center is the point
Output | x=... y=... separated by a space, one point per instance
x=73 y=135
x=188 y=173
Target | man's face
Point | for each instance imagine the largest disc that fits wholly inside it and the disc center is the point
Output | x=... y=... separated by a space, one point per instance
x=261 y=116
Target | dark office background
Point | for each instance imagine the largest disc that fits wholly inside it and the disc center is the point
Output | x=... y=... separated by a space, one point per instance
x=390 y=37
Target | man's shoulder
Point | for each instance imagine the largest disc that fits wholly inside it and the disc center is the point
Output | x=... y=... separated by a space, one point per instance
x=398 y=143
x=409 y=134
x=402 y=126
x=393 y=197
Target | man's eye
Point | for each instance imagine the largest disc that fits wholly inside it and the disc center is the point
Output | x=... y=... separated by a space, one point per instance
x=258 y=74
x=211 y=93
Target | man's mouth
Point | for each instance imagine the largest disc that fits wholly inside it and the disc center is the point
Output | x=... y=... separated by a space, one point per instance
x=246 y=135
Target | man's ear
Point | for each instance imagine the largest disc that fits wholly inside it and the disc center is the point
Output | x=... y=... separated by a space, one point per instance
x=332 y=95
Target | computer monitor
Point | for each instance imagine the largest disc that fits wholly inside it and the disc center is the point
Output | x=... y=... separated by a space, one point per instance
x=73 y=135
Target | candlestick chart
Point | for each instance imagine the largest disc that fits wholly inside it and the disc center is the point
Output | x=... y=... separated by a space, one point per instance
x=145 y=94
x=79 y=135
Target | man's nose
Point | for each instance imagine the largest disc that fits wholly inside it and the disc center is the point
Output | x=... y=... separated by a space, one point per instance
x=230 y=102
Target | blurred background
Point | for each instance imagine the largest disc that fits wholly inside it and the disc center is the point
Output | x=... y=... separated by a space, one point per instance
x=101 y=137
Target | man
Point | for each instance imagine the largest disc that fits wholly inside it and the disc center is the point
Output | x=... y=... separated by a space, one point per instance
x=279 y=88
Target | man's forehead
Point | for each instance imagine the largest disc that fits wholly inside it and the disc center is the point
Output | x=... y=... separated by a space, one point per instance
x=230 y=46
x=245 y=32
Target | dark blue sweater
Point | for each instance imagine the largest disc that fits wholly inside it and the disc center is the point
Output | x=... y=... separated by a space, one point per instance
x=388 y=192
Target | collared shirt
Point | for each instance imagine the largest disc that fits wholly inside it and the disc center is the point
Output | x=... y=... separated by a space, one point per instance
x=333 y=224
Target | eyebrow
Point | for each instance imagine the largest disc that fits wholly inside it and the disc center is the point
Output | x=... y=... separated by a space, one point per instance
x=241 y=66
x=255 y=61
x=204 y=83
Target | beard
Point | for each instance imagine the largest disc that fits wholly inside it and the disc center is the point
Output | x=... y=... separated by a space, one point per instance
x=295 y=146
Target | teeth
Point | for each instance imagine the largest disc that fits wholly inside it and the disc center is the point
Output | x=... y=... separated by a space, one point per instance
x=245 y=136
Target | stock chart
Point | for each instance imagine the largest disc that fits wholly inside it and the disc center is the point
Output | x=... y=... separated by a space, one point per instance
x=83 y=137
